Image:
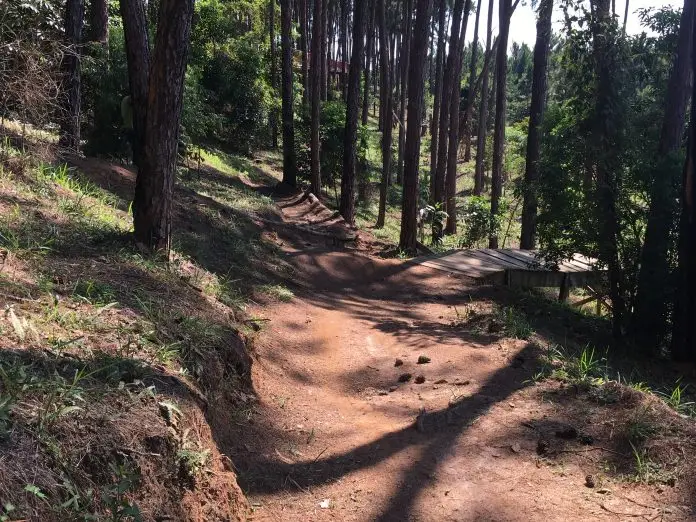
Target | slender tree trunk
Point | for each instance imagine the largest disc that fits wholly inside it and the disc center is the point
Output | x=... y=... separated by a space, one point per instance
x=370 y=41
x=483 y=121
x=405 y=58
x=419 y=50
x=289 y=160
x=99 y=20
x=152 y=204
x=303 y=48
x=625 y=20
x=343 y=43
x=448 y=91
x=453 y=134
x=683 y=324
x=324 y=50
x=536 y=116
x=437 y=102
x=466 y=127
x=505 y=13
x=72 y=84
x=347 y=207
x=385 y=110
x=650 y=314
x=317 y=87
x=605 y=136
x=273 y=117
x=138 y=62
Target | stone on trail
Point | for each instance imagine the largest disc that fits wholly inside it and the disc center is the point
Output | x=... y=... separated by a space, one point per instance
x=405 y=377
x=398 y=362
x=423 y=359
x=420 y=379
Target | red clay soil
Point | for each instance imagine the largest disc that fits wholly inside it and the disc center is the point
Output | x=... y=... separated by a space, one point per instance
x=336 y=436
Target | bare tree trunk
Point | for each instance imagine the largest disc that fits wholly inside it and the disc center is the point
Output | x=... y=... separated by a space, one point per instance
x=483 y=114
x=466 y=127
x=318 y=85
x=370 y=43
x=453 y=134
x=604 y=137
x=650 y=314
x=448 y=91
x=324 y=50
x=138 y=61
x=347 y=207
x=304 y=28
x=72 y=84
x=273 y=117
x=154 y=188
x=437 y=102
x=405 y=57
x=536 y=116
x=505 y=13
x=419 y=50
x=683 y=325
x=625 y=20
x=385 y=110
x=99 y=20
x=289 y=160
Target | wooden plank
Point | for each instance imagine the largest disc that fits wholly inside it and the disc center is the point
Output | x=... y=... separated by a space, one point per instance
x=502 y=258
x=526 y=255
x=461 y=266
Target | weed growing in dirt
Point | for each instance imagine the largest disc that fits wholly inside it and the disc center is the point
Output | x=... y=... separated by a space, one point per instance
x=675 y=400
x=515 y=323
x=277 y=291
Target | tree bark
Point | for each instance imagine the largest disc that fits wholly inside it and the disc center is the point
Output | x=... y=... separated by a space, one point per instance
x=453 y=134
x=324 y=50
x=273 y=117
x=649 y=320
x=347 y=206
x=405 y=58
x=304 y=28
x=437 y=102
x=419 y=50
x=152 y=204
x=138 y=62
x=289 y=160
x=317 y=88
x=448 y=91
x=99 y=21
x=466 y=127
x=536 y=116
x=683 y=345
x=369 y=37
x=385 y=110
x=604 y=136
x=72 y=84
x=504 y=15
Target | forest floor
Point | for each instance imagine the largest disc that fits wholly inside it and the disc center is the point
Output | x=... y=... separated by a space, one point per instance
x=505 y=425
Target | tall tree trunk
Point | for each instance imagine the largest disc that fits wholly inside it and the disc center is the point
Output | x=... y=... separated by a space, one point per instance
x=405 y=58
x=273 y=117
x=448 y=91
x=504 y=14
x=99 y=20
x=70 y=119
x=625 y=20
x=138 y=62
x=605 y=134
x=154 y=188
x=466 y=127
x=419 y=50
x=536 y=116
x=343 y=42
x=453 y=134
x=289 y=160
x=385 y=110
x=304 y=28
x=483 y=120
x=437 y=102
x=683 y=324
x=318 y=85
x=369 y=37
x=347 y=207
x=649 y=320
x=324 y=50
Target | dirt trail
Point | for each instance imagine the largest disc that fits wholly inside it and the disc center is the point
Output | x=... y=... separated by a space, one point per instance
x=335 y=435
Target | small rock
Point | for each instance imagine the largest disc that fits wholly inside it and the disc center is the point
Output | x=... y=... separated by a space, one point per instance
x=325 y=504
x=393 y=389
x=383 y=392
x=511 y=404
x=462 y=383
x=590 y=481
x=542 y=447
x=567 y=433
x=423 y=359
x=441 y=381
x=515 y=448
x=586 y=439
x=398 y=363
x=405 y=377
x=420 y=379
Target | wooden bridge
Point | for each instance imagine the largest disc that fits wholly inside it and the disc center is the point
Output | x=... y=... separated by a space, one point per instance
x=521 y=268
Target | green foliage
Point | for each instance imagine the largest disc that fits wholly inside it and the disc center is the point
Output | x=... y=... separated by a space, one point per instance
x=515 y=323
x=476 y=221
